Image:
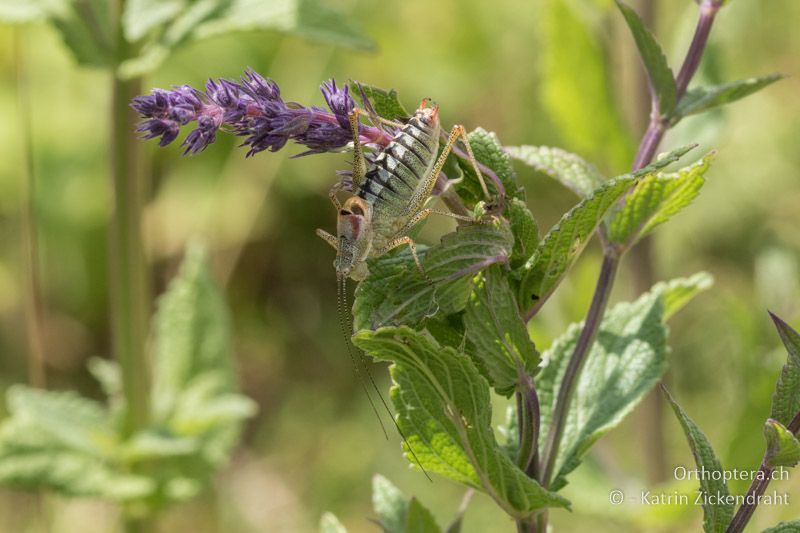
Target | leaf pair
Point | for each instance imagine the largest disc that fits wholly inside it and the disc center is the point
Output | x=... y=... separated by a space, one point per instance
x=76 y=447
x=626 y=361
x=662 y=82
x=647 y=205
x=780 y=431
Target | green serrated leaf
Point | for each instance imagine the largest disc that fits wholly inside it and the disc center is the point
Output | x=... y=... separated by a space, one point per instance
x=565 y=241
x=525 y=231
x=22 y=11
x=391 y=295
x=701 y=99
x=786 y=398
x=785 y=527
x=330 y=524
x=139 y=17
x=389 y=504
x=194 y=389
x=65 y=443
x=656 y=199
x=571 y=170
x=575 y=86
x=386 y=103
x=420 y=519
x=89 y=42
x=499 y=339
x=783 y=448
x=625 y=363
x=487 y=150
x=662 y=81
x=444 y=409
x=76 y=422
x=717 y=511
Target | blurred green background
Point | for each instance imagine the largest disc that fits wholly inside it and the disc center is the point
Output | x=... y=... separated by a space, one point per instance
x=509 y=66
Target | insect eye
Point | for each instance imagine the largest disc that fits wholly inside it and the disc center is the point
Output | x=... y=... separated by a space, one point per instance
x=357 y=210
x=344 y=212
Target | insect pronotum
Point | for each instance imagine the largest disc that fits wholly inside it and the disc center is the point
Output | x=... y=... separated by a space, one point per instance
x=389 y=197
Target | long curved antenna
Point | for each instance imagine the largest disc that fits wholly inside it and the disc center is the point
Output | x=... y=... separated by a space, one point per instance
x=343 y=298
x=341 y=302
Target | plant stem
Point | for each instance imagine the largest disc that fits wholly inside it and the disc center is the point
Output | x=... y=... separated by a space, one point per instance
x=129 y=284
x=611 y=256
x=31 y=293
x=130 y=300
x=130 y=291
x=594 y=316
x=758 y=487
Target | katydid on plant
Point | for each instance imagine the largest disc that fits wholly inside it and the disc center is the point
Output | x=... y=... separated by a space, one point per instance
x=389 y=197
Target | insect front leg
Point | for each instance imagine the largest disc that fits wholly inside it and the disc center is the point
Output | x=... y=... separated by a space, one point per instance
x=327 y=237
x=338 y=186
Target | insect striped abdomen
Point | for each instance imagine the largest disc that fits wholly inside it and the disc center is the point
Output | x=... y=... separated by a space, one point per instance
x=396 y=179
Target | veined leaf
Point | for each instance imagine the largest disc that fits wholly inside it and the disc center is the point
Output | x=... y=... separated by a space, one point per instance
x=444 y=410
x=575 y=87
x=785 y=527
x=702 y=99
x=499 y=339
x=783 y=448
x=66 y=443
x=420 y=519
x=786 y=399
x=655 y=199
x=386 y=103
x=194 y=388
x=571 y=170
x=662 y=81
x=389 y=504
x=396 y=293
x=625 y=362
x=330 y=524
x=565 y=241
x=22 y=11
x=717 y=513
x=139 y=17
x=525 y=231
x=487 y=150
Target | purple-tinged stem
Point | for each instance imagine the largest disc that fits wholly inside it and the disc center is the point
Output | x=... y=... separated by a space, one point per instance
x=594 y=316
x=758 y=487
x=611 y=257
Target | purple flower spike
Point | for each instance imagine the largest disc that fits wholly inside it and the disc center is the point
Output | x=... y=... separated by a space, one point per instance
x=251 y=108
x=339 y=100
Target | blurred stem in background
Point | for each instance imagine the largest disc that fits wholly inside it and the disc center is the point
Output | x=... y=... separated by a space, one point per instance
x=130 y=292
x=612 y=254
x=29 y=243
x=642 y=263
